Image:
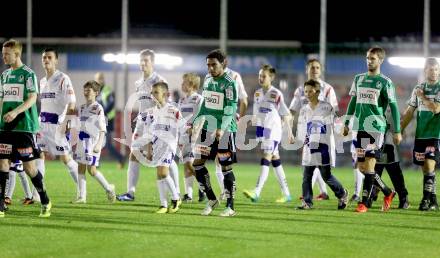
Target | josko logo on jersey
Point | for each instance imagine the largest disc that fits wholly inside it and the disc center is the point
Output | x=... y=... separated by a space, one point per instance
x=13 y=92
x=213 y=100
x=367 y=96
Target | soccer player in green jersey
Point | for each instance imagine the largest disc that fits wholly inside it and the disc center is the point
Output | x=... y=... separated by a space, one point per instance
x=19 y=122
x=426 y=99
x=217 y=126
x=372 y=92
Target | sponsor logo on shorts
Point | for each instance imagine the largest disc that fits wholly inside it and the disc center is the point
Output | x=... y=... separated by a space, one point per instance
x=430 y=149
x=202 y=149
x=419 y=156
x=5 y=148
x=360 y=153
x=26 y=152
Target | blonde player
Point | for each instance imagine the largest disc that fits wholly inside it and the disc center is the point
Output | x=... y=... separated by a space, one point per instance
x=315 y=130
x=189 y=106
x=57 y=104
x=91 y=136
x=143 y=96
x=158 y=129
x=270 y=112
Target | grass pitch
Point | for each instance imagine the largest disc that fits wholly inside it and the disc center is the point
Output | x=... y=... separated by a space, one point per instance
x=263 y=229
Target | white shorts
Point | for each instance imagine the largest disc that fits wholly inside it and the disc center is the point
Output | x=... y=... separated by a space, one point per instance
x=84 y=152
x=50 y=140
x=269 y=146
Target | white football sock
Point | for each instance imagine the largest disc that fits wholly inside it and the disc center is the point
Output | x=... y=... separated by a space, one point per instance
x=10 y=184
x=132 y=176
x=318 y=178
x=102 y=181
x=25 y=184
x=219 y=174
x=174 y=173
x=162 y=186
x=189 y=181
x=72 y=166
x=358 y=180
x=279 y=172
x=82 y=186
x=264 y=173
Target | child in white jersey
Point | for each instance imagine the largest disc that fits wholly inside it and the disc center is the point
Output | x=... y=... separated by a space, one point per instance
x=269 y=112
x=315 y=129
x=158 y=128
x=92 y=129
x=189 y=106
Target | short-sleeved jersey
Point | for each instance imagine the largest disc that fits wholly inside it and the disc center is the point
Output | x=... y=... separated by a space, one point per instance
x=316 y=131
x=219 y=104
x=428 y=123
x=56 y=93
x=159 y=125
x=327 y=94
x=268 y=108
x=373 y=95
x=15 y=87
x=92 y=120
x=143 y=90
x=189 y=106
x=242 y=94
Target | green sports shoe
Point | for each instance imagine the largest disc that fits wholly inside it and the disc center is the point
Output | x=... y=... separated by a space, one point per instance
x=2 y=214
x=251 y=195
x=284 y=199
x=45 y=210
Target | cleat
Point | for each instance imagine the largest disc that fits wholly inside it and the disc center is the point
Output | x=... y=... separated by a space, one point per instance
x=111 y=195
x=79 y=200
x=210 y=206
x=162 y=210
x=228 y=212
x=322 y=197
x=284 y=199
x=175 y=206
x=433 y=205
x=251 y=195
x=202 y=196
x=8 y=201
x=187 y=199
x=387 y=200
x=28 y=201
x=342 y=202
x=361 y=208
x=126 y=197
x=404 y=203
x=424 y=205
x=45 y=210
x=304 y=206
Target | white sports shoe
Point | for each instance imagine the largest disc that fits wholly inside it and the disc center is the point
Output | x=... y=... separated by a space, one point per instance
x=210 y=205
x=228 y=212
x=79 y=200
x=111 y=195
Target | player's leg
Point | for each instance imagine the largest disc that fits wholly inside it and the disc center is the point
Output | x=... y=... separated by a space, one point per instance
x=189 y=176
x=396 y=176
x=264 y=173
x=281 y=177
x=340 y=192
x=24 y=183
x=109 y=188
x=174 y=173
x=307 y=190
x=166 y=184
x=317 y=178
x=4 y=175
x=71 y=165
x=132 y=179
x=220 y=178
x=82 y=184
x=10 y=185
x=227 y=157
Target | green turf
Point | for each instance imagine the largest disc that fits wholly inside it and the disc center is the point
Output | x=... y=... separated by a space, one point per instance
x=264 y=229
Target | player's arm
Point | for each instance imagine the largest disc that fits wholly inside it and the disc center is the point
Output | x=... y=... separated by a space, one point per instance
x=407 y=117
x=333 y=100
x=285 y=118
x=350 y=111
x=31 y=100
x=102 y=125
x=433 y=106
x=230 y=108
x=395 y=115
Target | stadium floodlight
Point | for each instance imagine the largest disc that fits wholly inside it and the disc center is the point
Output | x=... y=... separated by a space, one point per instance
x=408 y=62
x=165 y=60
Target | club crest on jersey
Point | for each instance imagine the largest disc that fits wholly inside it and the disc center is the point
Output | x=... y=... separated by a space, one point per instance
x=21 y=78
x=378 y=85
x=222 y=86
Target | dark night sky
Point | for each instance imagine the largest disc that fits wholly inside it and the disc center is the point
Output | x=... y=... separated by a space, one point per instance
x=266 y=20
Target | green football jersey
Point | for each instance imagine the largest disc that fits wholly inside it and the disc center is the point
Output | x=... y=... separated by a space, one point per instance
x=428 y=123
x=219 y=104
x=15 y=86
x=371 y=96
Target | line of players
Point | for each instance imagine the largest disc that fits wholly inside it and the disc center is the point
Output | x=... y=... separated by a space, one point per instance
x=317 y=106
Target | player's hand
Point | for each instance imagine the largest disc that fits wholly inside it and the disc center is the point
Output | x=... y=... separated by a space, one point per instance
x=97 y=149
x=345 y=131
x=11 y=115
x=397 y=138
x=219 y=134
x=291 y=138
x=420 y=94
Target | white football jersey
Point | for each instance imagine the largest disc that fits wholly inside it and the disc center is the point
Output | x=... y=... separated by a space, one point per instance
x=189 y=106
x=143 y=90
x=268 y=109
x=55 y=94
x=316 y=131
x=327 y=94
x=92 y=120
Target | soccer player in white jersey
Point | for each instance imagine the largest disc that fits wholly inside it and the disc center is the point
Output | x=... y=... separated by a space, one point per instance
x=57 y=105
x=269 y=112
x=157 y=129
x=188 y=106
x=143 y=92
x=92 y=129
x=327 y=94
x=243 y=97
x=315 y=130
